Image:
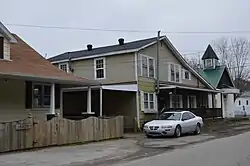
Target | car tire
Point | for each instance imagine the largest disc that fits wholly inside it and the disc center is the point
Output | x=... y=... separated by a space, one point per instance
x=197 y=129
x=177 y=132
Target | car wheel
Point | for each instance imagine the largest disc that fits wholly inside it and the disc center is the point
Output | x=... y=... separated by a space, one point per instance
x=177 y=132
x=198 y=129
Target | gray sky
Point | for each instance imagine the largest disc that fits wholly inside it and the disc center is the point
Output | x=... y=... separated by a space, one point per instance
x=165 y=15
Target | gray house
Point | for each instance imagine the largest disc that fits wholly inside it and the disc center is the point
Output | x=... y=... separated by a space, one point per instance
x=127 y=72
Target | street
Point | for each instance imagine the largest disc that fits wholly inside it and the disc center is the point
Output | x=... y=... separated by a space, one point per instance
x=229 y=151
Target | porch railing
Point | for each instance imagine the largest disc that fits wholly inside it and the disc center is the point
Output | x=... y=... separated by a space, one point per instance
x=202 y=112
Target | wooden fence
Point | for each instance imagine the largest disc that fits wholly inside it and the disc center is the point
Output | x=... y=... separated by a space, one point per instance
x=31 y=133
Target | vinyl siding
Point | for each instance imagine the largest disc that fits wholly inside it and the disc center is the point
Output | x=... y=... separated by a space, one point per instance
x=167 y=57
x=120 y=68
x=12 y=102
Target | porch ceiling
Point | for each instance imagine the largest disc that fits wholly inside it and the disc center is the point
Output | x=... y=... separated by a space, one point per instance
x=186 y=87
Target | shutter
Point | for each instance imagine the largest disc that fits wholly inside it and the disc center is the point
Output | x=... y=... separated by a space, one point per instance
x=142 y=101
x=28 y=94
x=189 y=73
x=169 y=72
x=183 y=73
x=155 y=102
x=180 y=73
x=57 y=96
x=139 y=68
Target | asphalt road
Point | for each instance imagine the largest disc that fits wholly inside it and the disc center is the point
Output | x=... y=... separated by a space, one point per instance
x=230 y=151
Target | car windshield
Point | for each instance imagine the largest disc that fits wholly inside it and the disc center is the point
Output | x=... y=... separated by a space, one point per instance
x=170 y=116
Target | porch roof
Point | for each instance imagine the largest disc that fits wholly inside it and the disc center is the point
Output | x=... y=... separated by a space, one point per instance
x=186 y=87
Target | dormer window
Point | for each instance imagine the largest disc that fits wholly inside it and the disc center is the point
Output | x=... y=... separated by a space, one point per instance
x=1 y=47
x=208 y=63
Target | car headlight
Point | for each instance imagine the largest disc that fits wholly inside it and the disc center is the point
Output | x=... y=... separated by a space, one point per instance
x=166 y=127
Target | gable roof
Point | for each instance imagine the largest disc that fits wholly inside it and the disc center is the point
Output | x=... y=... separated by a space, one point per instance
x=26 y=62
x=7 y=34
x=209 y=53
x=214 y=75
x=104 y=51
x=126 y=48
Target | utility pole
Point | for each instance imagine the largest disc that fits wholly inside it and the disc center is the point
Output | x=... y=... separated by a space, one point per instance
x=157 y=72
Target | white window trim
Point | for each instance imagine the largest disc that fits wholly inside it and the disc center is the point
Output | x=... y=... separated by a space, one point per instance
x=183 y=74
x=169 y=72
x=206 y=63
x=181 y=101
x=39 y=108
x=148 y=57
x=66 y=63
x=195 y=101
x=155 y=103
x=104 y=68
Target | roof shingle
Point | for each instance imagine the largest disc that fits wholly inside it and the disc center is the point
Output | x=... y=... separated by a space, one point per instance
x=25 y=61
x=102 y=50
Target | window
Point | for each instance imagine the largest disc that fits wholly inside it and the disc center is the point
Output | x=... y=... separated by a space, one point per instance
x=185 y=116
x=191 y=115
x=174 y=73
x=147 y=66
x=186 y=75
x=175 y=101
x=1 y=47
x=64 y=67
x=191 y=102
x=148 y=101
x=239 y=102
x=41 y=96
x=208 y=63
x=144 y=66
x=99 y=68
x=246 y=102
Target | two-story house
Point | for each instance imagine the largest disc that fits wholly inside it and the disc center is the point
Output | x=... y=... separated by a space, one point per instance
x=29 y=84
x=127 y=72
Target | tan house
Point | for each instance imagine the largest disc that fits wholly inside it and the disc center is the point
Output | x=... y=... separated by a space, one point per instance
x=127 y=72
x=29 y=84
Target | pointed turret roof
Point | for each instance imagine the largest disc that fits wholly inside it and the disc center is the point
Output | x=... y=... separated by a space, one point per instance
x=209 y=53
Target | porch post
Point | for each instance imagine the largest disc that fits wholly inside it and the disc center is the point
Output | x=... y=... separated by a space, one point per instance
x=210 y=100
x=100 y=101
x=52 y=99
x=89 y=100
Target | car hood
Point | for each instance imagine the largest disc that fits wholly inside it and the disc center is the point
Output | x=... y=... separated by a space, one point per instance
x=162 y=122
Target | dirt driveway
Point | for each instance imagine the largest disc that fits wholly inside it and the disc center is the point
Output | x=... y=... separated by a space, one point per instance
x=134 y=146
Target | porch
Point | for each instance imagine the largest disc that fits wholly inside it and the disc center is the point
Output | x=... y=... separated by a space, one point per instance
x=200 y=101
x=101 y=101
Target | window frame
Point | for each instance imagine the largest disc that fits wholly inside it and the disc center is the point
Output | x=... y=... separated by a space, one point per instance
x=147 y=66
x=172 y=101
x=102 y=68
x=176 y=68
x=42 y=95
x=149 y=109
x=187 y=116
x=67 y=66
x=206 y=63
x=195 y=101
x=184 y=74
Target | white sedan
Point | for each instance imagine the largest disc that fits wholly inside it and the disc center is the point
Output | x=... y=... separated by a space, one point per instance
x=174 y=124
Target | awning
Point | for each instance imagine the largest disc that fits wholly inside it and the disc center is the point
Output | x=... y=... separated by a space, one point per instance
x=186 y=87
x=124 y=87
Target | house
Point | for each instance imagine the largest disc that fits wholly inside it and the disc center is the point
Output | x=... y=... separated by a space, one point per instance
x=242 y=105
x=29 y=84
x=219 y=76
x=127 y=72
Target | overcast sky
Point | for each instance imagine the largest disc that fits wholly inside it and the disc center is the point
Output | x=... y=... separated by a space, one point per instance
x=165 y=15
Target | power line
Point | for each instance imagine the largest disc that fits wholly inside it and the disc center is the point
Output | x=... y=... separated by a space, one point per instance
x=127 y=30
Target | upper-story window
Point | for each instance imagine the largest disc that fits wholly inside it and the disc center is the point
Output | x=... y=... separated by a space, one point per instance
x=208 y=63
x=147 y=66
x=174 y=73
x=99 y=65
x=64 y=67
x=186 y=75
x=1 y=47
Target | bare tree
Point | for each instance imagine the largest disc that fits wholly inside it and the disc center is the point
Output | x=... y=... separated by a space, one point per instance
x=194 y=62
x=235 y=53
